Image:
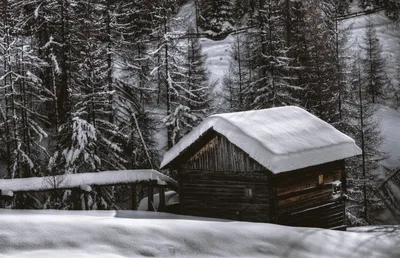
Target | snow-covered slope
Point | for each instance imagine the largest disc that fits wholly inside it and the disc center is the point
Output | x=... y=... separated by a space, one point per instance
x=217 y=51
x=131 y=234
x=390 y=128
x=389 y=38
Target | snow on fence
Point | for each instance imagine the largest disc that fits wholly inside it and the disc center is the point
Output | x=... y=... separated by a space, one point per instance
x=68 y=181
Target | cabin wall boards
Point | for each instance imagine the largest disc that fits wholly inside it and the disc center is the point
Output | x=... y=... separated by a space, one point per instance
x=214 y=184
x=280 y=165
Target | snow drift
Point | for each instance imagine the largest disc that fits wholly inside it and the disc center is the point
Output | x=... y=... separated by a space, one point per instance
x=138 y=234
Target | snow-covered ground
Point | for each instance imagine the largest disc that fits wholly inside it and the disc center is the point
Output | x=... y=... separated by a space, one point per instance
x=390 y=128
x=389 y=38
x=217 y=51
x=139 y=234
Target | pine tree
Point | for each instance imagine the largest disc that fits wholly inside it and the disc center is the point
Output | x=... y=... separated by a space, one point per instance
x=373 y=64
x=217 y=17
x=169 y=70
x=321 y=90
x=310 y=38
x=237 y=79
x=22 y=111
x=342 y=65
x=89 y=136
x=270 y=81
x=342 y=6
x=189 y=99
x=391 y=7
x=295 y=23
x=363 y=172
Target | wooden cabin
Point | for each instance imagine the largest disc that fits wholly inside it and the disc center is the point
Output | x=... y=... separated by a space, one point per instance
x=280 y=165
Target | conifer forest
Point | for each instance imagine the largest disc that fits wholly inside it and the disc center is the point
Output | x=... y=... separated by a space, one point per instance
x=102 y=85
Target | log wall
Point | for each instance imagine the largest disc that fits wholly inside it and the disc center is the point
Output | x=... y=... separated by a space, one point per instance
x=304 y=197
x=215 y=178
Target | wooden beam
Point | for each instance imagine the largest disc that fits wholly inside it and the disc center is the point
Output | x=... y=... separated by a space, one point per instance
x=161 y=193
x=133 y=191
x=86 y=198
x=150 y=200
x=75 y=199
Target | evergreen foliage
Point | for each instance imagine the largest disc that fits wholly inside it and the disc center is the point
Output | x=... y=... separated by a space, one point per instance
x=92 y=86
x=363 y=171
x=189 y=90
x=373 y=64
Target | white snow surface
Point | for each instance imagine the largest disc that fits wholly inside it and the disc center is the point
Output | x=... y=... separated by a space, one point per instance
x=151 y=234
x=171 y=197
x=281 y=139
x=389 y=39
x=217 y=51
x=390 y=129
x=83 y=179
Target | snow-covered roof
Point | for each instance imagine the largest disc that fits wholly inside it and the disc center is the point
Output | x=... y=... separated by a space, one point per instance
x=84 y=179
x=281 y=139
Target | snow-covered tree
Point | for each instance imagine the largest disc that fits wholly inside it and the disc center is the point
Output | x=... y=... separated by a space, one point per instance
x=373 y=64
x=189 y=90
x=22 y=104
x=363 y=171
x=391 y=7
x=269 y=61
x=89 y=131
x=217 y=17
x=236 y=81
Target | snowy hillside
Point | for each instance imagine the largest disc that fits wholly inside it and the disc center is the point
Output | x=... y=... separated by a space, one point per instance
x=218 y=52
x=389 y=37
x=388 y=34
x=390 y=126
x=143 y=234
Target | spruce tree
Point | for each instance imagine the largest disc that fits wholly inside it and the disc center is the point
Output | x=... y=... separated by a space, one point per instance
x=217 y=17
x=22 y=106
x=373 y=64
x=235 y=84
x=270 y=81
x=190 y=98
x=363 y=171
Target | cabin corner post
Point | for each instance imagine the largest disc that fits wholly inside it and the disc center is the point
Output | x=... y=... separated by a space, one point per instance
x=134 y=195
x=86 y=200
x=181 y=192
x=273 y=200
x=75 y=197
x=150 y=195
x=99 y=198
x=344 y=190
x=161 y=193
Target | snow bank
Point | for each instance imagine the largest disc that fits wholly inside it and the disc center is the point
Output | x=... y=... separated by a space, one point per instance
x=389 y=125
x=84 y=179
x=69 y=234
x=281 y=139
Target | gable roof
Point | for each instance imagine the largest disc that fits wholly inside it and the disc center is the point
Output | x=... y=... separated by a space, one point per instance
x=281 y=139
